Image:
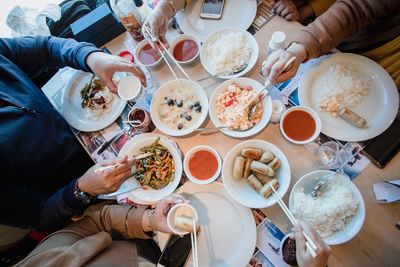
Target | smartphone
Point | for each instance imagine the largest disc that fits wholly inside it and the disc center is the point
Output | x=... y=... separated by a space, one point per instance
x=176 y=251
x=212 y=9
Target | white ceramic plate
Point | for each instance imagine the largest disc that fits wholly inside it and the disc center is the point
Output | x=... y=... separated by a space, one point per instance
x=308 y=182
x=379 y=107
x=266 y=115
x=159 y=97
x=228 y=230
x=214 y=36
x=240 y=190
x=74 y=114
x=236 y=13
x=150 y=196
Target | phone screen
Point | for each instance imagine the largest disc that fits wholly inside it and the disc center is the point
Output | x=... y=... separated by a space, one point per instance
x=212 y=6
x=176 y=251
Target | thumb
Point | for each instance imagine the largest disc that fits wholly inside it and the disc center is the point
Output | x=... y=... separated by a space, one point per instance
x=110 y=84
x=300 y=239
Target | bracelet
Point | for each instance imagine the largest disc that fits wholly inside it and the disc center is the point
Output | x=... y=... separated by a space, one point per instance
x=171 y=4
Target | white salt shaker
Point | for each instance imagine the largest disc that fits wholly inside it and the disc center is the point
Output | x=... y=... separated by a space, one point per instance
x=277 y=42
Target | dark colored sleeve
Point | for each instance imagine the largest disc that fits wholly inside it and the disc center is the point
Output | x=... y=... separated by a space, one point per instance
x=25 y=207
x=39 y=54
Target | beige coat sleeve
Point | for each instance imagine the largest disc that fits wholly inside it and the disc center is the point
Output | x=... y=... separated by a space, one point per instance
x=341 y=20
x=82 y=241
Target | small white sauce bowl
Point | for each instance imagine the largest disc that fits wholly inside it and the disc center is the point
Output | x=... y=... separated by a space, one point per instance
x=137 y=58
x=180 y=38
x=313 y=114
x=191 y=153
x=182 y=209
x=129 y=87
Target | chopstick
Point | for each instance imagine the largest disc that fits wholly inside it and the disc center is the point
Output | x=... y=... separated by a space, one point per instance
x=312 y=248
x=105 y=168
x=194 y=244
x=267 y=85
x=171 y=56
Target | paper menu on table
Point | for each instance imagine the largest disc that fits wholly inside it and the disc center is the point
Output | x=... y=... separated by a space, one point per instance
x=387 y=192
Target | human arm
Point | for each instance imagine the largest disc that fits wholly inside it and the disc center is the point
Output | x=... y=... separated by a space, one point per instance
x=341 y=20
x=157 y=22
x=304 y=258
x=35 y=55
x=26 y=206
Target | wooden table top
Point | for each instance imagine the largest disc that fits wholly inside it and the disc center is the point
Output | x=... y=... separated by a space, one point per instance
x=377 y=244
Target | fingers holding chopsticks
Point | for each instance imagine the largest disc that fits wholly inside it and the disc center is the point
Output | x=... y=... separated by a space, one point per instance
x=303 y=256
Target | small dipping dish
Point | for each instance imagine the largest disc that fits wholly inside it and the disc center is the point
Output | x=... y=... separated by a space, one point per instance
x=127 y=55
x=202 y=164
x=139 y=118
x=288 y=250
x=300 y=125
x=185 y=48
x=129 y=87
x=146 y=55
x=180 y=218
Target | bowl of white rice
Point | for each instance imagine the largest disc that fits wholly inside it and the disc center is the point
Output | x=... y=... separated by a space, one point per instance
x=229 y=53
x=337 y=214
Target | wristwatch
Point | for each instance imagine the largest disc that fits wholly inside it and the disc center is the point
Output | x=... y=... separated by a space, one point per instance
x=84 y=197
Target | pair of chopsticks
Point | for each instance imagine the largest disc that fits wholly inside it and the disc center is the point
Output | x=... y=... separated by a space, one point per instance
x=193 y=238
x=267 y=86
x=312 y=248
x=105 y=168
x=158 y=44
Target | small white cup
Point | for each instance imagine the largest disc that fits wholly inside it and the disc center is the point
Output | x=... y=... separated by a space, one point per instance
x=313 y=114
x=137 y=57
x=129 y=87
x=182 y=209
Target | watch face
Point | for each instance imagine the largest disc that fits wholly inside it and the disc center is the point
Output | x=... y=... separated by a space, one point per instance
x=83 y=197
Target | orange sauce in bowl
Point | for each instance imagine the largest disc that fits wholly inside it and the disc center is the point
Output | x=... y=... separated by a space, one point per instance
x=203 y=165
x=299 y=125
x=185 y=50
x=148 y=56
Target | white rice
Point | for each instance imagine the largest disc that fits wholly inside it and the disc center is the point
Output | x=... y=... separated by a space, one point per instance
x=343 y=87
x=328 y=213
x=96 y=111
x=229 y=53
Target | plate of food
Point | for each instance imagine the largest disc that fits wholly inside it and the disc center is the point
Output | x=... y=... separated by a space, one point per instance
x=226 y=108
x=343 y=81
x=88 y=105
x=158 y=174
x=337 y=213
x=250 y=168
x=178 y=108
x=229 y=53
x=190 y=22
x=227 y=229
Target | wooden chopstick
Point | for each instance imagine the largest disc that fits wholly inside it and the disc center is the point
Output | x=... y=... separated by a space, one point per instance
x=105 y=168
x=194 y=245
x=170 y=55
x=309 y=243
x=268 y=84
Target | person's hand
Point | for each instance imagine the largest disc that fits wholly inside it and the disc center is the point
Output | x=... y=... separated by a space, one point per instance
x=273 y=67
x=304 y=258
x=287 y=10
x=107 y=181
x=157 y=24
x=105 y=65
x=158 y=221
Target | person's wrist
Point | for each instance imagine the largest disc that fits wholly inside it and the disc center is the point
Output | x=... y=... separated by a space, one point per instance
x=146 y=220
x=298 y=50
x=83 y=187
x=166 y=9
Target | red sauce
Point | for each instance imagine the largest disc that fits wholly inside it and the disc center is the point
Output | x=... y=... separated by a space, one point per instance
x=203 y=165
x=299 y=125
x=148 y=56
x=185 y=50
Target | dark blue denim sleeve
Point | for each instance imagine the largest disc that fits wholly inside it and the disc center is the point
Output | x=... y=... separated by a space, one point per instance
x=34 y=54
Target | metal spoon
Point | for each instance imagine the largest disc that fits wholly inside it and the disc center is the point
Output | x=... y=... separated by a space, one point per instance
x=241 y=68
